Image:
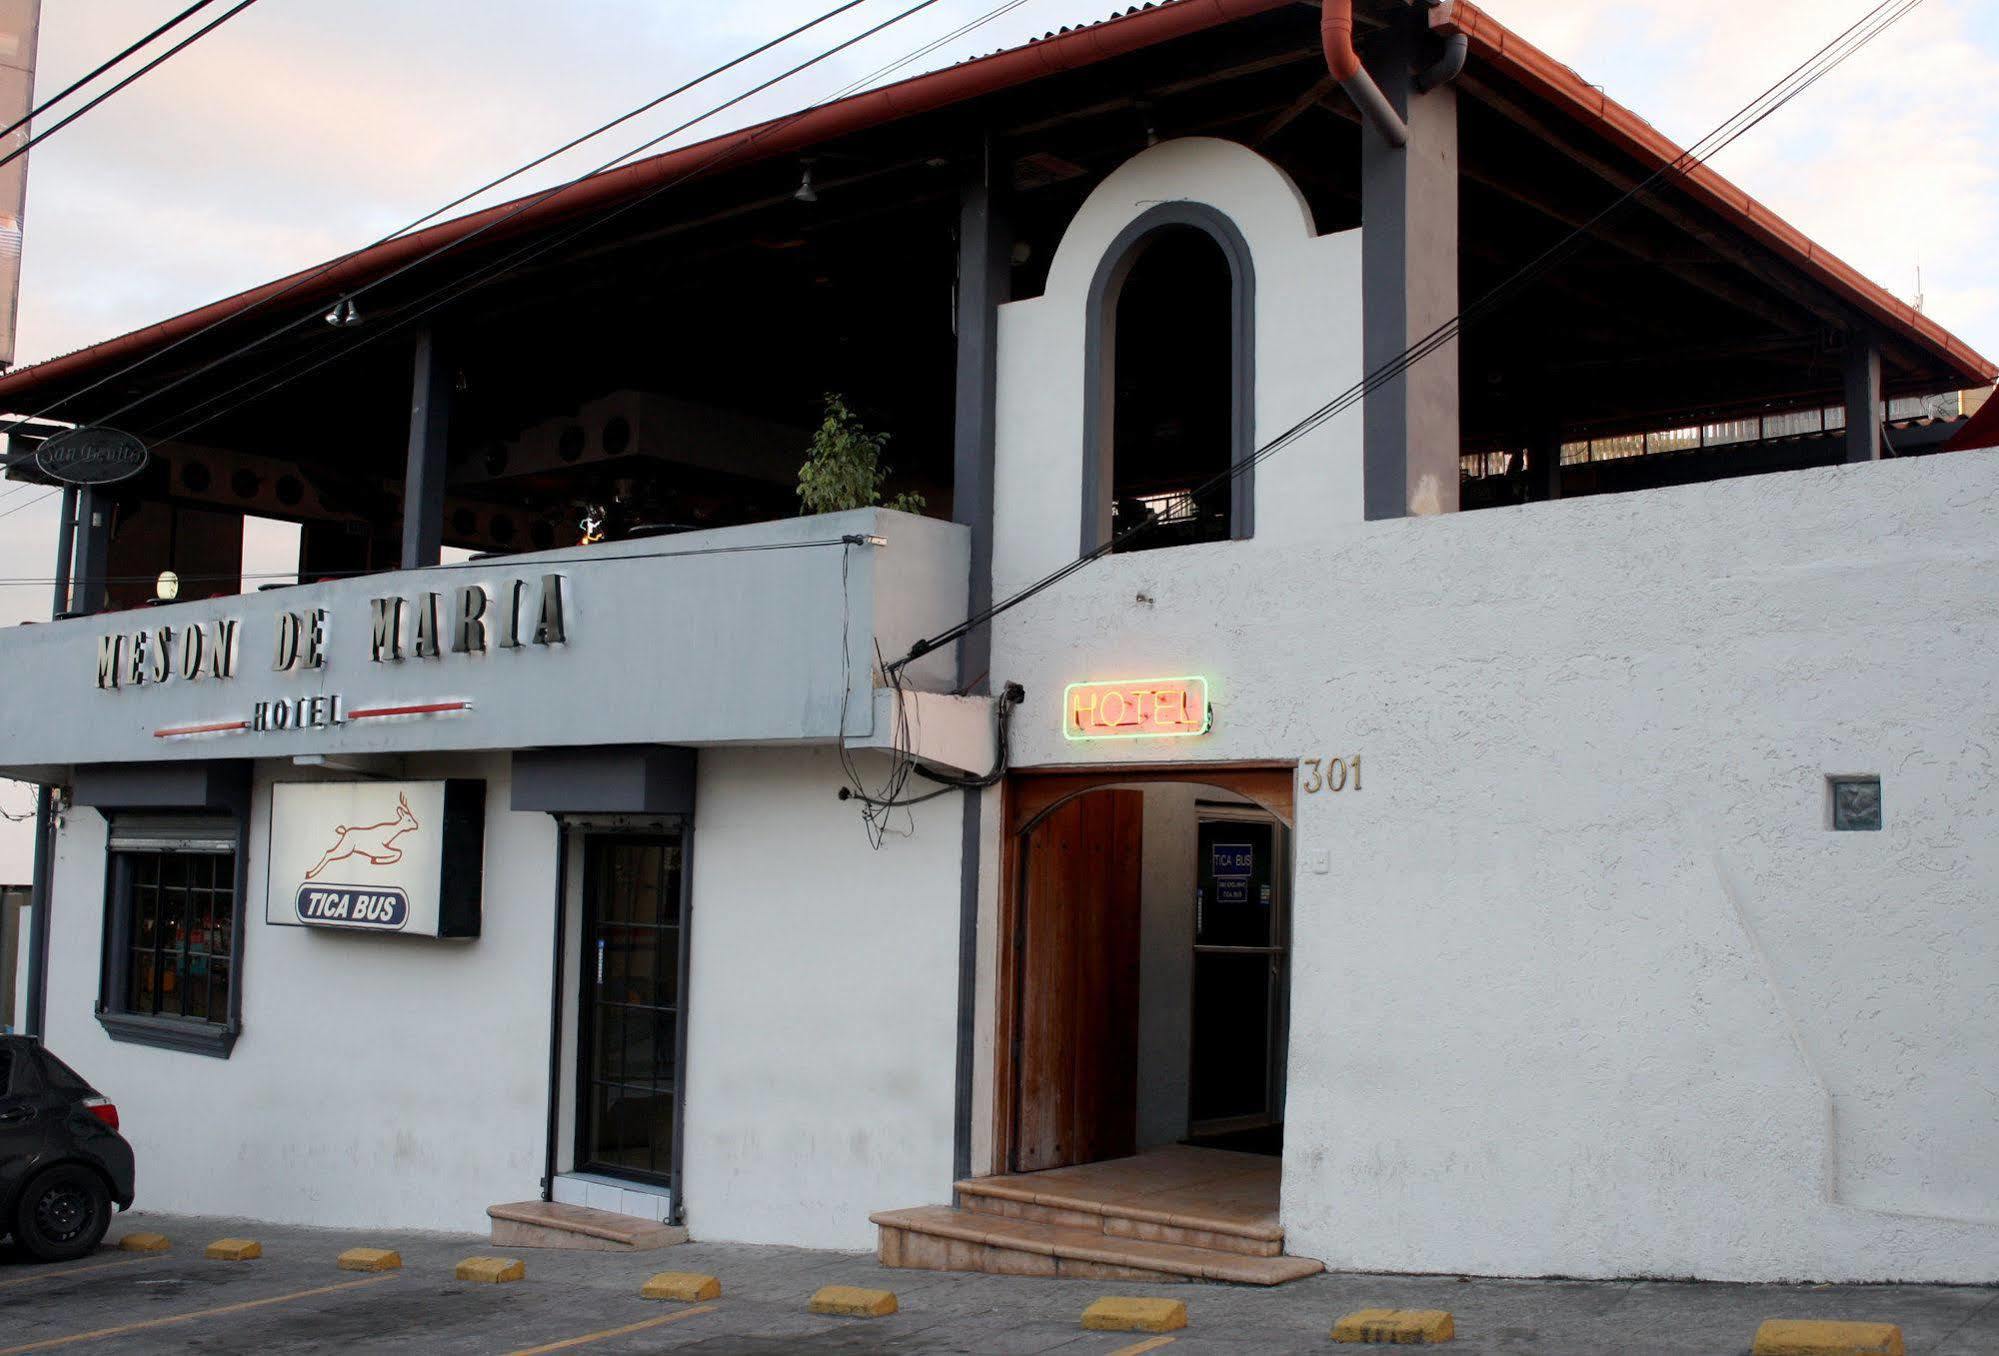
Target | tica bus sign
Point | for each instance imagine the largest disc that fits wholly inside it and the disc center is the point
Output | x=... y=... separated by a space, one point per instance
x=1137 y=708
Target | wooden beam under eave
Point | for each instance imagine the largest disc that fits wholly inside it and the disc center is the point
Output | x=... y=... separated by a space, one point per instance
x=1630 y=244
x=1821 y=303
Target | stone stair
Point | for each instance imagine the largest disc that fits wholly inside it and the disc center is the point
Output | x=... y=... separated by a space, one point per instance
x=551 y=1224
x=1014 y=1226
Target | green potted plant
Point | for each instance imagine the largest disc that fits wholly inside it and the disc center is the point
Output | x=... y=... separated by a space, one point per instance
x=843 y=468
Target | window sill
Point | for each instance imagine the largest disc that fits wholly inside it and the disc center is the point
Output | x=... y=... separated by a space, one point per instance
x=169 y=1033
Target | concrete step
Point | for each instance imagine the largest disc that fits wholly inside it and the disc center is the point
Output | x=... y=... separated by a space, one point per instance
x=551 y=1224
x=942 y=1238
x=1247 y=1232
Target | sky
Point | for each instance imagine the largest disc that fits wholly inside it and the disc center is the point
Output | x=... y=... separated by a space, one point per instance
x=304 y=128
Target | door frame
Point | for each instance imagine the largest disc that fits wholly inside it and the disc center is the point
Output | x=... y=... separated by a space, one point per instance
x=1027 y=797
x=663 y=834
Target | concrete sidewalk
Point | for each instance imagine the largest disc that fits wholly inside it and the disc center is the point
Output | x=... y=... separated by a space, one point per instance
x=293 y=1299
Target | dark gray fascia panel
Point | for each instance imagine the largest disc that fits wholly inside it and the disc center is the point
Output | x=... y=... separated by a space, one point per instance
x=210 y=784
x=617 y=779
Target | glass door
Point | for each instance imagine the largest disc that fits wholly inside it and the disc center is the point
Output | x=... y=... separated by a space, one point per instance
x=1240 y=979
x=632 y=976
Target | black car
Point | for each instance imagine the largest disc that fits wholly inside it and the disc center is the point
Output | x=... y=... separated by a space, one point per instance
x=62 y=1161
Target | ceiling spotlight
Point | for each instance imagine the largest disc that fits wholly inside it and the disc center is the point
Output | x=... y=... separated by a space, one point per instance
x=806 y=193
x=345 y=316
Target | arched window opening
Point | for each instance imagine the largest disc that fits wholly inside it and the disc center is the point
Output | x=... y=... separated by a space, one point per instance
x=1173 y=393
x=1169 y=403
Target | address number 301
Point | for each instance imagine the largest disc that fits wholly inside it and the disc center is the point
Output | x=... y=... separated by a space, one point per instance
x=1334 y=774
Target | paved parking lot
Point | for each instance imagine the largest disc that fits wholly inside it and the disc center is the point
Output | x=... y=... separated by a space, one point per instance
x=293 y=1299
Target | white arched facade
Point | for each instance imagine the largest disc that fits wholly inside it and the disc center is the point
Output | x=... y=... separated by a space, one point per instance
x=1306 y=347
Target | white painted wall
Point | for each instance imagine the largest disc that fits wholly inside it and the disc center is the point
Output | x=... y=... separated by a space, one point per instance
x=1590 y=988
x=822 y=1029
x=1308 y=333
x=379 y=1081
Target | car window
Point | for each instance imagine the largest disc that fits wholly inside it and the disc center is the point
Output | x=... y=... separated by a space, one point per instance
x=63 y=1079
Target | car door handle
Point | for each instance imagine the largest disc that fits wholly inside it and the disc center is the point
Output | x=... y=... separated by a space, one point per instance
x=17 y=1115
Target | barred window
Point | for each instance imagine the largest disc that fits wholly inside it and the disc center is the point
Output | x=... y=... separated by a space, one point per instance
x=172 y=925
x=182 y=916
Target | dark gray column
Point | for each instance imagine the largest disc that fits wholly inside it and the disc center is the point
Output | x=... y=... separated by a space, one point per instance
x=1544 y=463
x=1863 y=398
x=1409 y=235
x=93 y=551
x=35 y=1001
x=423 y=480
x=985 y=278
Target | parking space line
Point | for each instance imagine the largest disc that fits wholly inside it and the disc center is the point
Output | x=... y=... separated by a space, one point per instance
x=1151 y=1344
x=50 y=1343
x=590 y=1337
x=75 y=1271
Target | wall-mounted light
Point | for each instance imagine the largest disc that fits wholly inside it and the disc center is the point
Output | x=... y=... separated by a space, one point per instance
x=167 y=587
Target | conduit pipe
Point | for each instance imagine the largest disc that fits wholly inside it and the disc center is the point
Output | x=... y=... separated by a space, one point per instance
x=1336 y=35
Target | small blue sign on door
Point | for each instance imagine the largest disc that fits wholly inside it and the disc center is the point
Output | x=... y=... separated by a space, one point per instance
x=1231 y=861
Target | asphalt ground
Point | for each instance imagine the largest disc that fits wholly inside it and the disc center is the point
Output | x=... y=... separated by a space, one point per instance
x=294 y=1299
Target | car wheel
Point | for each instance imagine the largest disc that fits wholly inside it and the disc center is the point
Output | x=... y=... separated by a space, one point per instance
x=63 y=1214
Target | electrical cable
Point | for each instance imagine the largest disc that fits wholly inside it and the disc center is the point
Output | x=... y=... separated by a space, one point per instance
x=1800 y=79
x=427 y=217
x=525 y=205
x=270 y=381
x=30 y=503
x=194 y=37
x=81 y=81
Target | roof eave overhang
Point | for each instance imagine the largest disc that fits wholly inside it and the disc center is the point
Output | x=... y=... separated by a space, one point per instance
x=1491 y=42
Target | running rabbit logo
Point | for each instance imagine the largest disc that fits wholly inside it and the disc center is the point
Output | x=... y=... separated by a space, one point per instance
x=376 y=842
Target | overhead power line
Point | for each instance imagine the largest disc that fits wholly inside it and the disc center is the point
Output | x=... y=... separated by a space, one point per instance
x=314 y=275
x=1801 y=78
x=186 y=42
x=263 y=384
x=521 y=256
x=77 y=84
x=525 y=205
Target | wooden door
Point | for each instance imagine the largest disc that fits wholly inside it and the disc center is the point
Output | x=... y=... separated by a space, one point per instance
x=1078 y=1028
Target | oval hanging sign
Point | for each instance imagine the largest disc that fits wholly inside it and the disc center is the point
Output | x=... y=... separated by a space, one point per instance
x=92 y=456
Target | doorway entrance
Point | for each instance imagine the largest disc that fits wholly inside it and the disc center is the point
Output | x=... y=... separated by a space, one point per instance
x=630 y=1033
x=1144 y=975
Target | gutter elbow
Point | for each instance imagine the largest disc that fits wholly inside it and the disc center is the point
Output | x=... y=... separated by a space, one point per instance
x=1447 y=67
x=1343 y=63
x=1336 y=36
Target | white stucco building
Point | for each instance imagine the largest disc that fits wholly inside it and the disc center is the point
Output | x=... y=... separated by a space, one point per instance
x=1415 y=842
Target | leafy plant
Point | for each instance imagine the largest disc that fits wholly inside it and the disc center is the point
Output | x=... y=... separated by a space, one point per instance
x=843 y=467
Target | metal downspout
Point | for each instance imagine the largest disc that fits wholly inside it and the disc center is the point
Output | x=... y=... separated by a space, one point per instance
x=1336 y=34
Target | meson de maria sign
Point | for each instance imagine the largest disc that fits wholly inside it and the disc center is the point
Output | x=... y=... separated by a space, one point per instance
x=517 y=614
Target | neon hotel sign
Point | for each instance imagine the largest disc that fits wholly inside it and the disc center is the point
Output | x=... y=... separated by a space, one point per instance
x=1137 y=708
